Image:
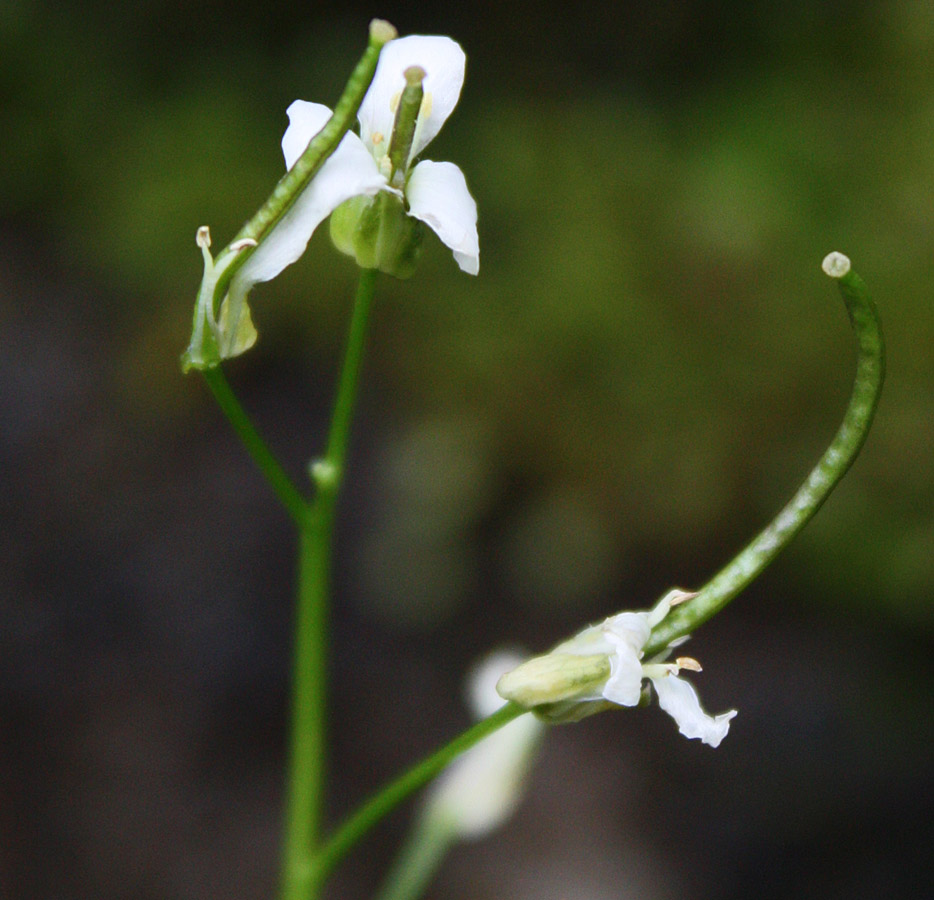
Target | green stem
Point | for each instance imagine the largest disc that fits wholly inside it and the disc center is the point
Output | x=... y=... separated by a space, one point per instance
x=329 y=476
x=832 y=466
x=289 y=495
x=307 y=752
x=385 y=801
x=418 y=861
x=322 y=145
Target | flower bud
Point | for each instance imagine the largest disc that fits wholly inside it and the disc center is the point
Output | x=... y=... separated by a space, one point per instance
x=554 y=678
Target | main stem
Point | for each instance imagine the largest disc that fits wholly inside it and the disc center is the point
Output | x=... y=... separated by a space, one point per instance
x=307 y=755
x=824 y=477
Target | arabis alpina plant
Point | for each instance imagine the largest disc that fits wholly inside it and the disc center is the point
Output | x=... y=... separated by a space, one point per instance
x=401 y=92
x=602 y=666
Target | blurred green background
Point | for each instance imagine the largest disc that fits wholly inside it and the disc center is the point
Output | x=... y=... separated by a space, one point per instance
x=648 y=364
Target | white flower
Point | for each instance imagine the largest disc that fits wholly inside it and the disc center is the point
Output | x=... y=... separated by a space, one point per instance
x=603 y=665
x=429 y=192
x=436 y=193
x=482 y=787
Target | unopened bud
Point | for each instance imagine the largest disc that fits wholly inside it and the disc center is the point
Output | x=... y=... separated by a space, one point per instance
x=554 y=678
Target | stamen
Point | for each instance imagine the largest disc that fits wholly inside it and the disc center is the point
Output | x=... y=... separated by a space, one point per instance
x=427 y=102
x=203 y=237
x=689 y=663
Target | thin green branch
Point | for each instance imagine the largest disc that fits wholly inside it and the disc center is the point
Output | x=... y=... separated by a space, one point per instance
x=289 y=495
x=830 y=468
x=385 y=801
x=418 y=861
x=330 y=476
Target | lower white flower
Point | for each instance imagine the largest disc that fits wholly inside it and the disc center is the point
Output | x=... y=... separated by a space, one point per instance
x=482 y=787
x=603 y=666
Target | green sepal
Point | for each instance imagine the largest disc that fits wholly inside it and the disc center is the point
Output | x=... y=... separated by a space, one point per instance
x=228 y=333
x=555 y=678
x=378 y=233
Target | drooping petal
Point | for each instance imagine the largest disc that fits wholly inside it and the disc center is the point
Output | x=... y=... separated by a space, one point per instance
x=444 y=63
x=679 y=699
x=437 y=195
x=627 y=633
x=348 y=172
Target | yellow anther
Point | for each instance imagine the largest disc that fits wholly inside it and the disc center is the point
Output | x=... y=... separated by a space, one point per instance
x=689 y=663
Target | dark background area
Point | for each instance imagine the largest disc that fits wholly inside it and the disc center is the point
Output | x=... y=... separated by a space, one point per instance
x=647 y=366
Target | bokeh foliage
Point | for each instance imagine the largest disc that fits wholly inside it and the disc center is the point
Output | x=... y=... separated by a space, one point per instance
x=650 y=354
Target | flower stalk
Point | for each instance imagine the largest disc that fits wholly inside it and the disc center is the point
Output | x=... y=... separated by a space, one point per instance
x=359 y=823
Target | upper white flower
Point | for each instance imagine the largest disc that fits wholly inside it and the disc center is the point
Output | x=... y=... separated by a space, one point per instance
x=436 y=193
x=430 y=192
x=603 y=664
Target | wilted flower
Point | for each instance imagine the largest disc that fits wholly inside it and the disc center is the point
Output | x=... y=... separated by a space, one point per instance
x=602 y=666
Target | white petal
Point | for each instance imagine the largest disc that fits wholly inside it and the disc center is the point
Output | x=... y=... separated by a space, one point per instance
x=679 y=700
x=481 y=682
x=630 y=628
x=444 y=63
x=483 y=786
x=626 y=633
x=305 y=121
x=348 y=172
x=624 y=686
x=437 y=194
